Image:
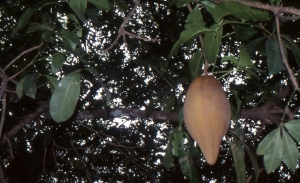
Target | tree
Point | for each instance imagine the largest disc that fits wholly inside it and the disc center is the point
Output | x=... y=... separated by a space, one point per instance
x=93 y=90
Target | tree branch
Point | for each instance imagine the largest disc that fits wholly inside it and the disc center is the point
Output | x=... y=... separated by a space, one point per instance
x=22 y=123
x=262 y=6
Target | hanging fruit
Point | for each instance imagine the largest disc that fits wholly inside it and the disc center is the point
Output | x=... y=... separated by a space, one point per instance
x=207 y=115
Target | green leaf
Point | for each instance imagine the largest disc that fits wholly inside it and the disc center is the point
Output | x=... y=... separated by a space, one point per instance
x=177 y=141
x=209 y=6
x=194 y=19
x=168 y=104
x=180 y=3
x=290 y=152
x=294 y=129
x=234 y=60
x=238 y=101
x=30 y=85
x=244 y=32
x=245 y=60
x=274 y=59
x=239 y=11
x=25 y=18
x=168 y=158
x=20 y=88
x=101 y=4
x=253 y=161
x=70 y=44
x=73 y=36
x=186 y=163
x=253 y=45
x=64 y=97
x=292 y=46
x=79 y=7
x=34 y=27
x=52 y=81
x=188 y=35
x=212 y=44
x=195 y=65
x=271 y=148
x=57 y=62
x=180 y=117
x=238 y=156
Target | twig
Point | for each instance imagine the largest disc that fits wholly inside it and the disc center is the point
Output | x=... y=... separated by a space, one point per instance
x=22 y=123
x=3 y=113
x=284 y=60
x=10 y=150
x=251 y=176
x=122 y=32
x=262 y=6
x=24 y=52
x=88 y=174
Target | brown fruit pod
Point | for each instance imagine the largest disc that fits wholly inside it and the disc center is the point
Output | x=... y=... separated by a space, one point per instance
x=207 y=115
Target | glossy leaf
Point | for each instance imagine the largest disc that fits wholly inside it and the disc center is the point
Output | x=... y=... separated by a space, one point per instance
x=53 y=82
x=196 y=64
x=294 y=129
x=290 y=151
x=209 y=6
x=186 y=36
x=168 y=104
x=212 y=43
x=79 y=7
x=274 y=59
x=30 y=85
x=292 y=46
x=168 y=159
x=238 y=156
x=64 y=97
x=194 y=19
x=271 y=148
x=177 y=142
x=101 y=4
x=57 y=62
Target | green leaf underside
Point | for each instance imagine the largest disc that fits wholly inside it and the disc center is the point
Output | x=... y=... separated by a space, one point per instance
x=274 y=59
x=64 y=97
x=290 y=151
x=271 y=148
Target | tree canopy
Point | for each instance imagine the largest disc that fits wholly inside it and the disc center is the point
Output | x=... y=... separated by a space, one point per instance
x=93 y=90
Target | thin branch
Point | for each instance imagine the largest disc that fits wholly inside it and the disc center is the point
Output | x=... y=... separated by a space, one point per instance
x=284 y=60
x=3 y=113
x=88 y=174
x=41 y=109
x=262 y=6
x=24 y=52
x=122 y=32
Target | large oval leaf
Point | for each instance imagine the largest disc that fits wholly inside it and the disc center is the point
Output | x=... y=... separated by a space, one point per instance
x=64 y=97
